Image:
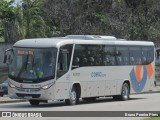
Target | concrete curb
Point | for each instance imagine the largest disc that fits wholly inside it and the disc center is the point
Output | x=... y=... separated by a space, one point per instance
x=6 y=99
x=12 y=101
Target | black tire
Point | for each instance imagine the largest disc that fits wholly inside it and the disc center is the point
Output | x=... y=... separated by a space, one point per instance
x=1 y=94
x=74 y=98
x=34 y=102
x=89 y=99
x=125 y=93
x=116 y=97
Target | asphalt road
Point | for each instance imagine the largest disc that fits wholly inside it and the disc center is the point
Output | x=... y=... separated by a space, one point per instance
x=138 y=102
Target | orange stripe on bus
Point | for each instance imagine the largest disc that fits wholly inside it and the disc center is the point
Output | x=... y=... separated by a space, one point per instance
x=149 y=70
x=138 y=72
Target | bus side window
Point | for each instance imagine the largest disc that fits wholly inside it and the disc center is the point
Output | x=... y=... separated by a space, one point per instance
x=135 y=55
x=64 y=60
x=147 y=55
x=84 y=61
x=122 y=55
x=132 y=61
x=126 y=61
x=79 y=58
x=76 y=62
x=109 y=55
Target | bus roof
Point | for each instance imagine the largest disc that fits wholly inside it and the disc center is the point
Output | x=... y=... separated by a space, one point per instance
x=79 y=39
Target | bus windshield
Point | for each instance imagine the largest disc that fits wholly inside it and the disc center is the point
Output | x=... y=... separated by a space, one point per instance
x=32 y=64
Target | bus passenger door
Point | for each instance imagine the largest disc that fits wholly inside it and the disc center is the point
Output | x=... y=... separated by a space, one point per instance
x=62 y=63
x=62 y=83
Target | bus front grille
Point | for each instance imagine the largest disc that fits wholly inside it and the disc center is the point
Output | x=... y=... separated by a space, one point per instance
x=28 y=95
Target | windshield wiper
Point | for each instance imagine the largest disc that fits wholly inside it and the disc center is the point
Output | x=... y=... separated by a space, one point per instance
x=23 y=66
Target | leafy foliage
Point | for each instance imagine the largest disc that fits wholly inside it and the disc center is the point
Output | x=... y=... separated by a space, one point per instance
x=129 y=19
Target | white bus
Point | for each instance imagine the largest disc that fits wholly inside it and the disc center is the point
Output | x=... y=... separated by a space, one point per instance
x=79 y=66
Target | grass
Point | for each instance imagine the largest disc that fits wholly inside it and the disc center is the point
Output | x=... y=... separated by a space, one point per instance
x=153 y=118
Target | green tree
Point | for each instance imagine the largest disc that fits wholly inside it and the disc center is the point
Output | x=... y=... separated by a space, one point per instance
x=34 y=22
x=129 y=19
x=77 y=16
x=7 y=18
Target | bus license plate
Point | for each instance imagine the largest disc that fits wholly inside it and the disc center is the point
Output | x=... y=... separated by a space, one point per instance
x=28 y=97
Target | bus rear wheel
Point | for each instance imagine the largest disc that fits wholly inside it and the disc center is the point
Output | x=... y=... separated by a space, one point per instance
x=125 y=93
x=74 y=99
x=34 y=102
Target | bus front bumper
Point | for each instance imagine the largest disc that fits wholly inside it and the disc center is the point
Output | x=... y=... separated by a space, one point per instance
x=30 y=93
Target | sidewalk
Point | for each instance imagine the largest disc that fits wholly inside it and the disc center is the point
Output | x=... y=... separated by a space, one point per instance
x=6 y=99
x=156 y=89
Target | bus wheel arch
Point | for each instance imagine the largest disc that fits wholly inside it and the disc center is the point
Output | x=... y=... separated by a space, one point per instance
x=125 y=92
x=78 y=88
x=74 y=94
x=129 y=85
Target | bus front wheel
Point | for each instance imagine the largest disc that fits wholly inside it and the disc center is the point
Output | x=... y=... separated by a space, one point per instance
x=74 y=99
x=34 y=102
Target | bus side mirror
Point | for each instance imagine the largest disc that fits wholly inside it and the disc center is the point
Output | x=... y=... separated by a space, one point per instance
x=5 y=59
x=158 y=54
x=7 y=56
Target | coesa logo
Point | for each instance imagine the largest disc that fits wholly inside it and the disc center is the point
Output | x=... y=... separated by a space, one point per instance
x=138 y=80
x=97 y=74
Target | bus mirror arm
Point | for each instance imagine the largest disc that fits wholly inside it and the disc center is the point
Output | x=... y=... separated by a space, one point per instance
x=6 y=56
x=75 y=66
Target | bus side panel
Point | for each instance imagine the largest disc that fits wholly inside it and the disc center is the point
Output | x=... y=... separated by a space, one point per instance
x=119 y=86
x=149 y=79
x=152 y=79
x=80 y=75
x=83 y=89
x=102 y=87
x=110 y=87
x=92 y=89
x=62 y=87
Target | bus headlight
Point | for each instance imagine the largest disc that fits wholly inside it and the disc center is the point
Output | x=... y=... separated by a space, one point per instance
x=11 y=85
x=45 y=87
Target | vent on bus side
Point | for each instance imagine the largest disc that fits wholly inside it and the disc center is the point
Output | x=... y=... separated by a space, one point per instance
x=91 y=37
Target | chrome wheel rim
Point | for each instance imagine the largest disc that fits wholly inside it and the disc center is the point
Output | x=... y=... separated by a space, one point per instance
x=125 y=92
x=73 y=96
